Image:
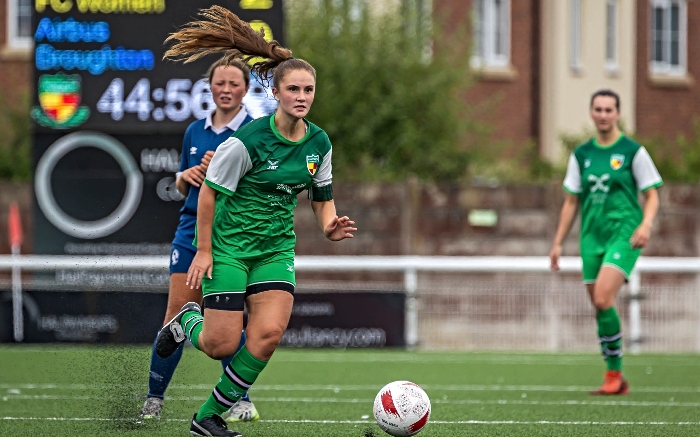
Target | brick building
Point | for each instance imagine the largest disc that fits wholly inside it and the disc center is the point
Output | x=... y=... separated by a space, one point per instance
x=668 y=67
x=15 y=51
x=505 y=41
x=536 y=62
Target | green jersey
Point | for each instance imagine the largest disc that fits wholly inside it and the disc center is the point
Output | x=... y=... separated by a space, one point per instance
x=607 y=180
x=258 y=174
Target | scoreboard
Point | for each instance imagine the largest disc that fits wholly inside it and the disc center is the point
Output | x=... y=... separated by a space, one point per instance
x=98 y=64
x=109 y=115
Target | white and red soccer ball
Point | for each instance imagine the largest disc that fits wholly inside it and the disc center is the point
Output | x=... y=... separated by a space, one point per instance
x=401 y=408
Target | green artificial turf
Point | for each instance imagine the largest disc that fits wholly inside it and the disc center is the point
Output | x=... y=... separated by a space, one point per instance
x=97 y=391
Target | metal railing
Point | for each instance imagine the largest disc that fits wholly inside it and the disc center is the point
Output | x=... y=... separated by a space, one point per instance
x=409 y=266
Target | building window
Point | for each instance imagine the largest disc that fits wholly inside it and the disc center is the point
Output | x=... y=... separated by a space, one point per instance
x=491 y=34
x=611 y=35
x=575 y=40
x=417 y=18
x=668 y=37
x=19 y=24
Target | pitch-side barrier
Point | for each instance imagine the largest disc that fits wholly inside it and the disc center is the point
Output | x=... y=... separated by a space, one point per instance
x=409 y=266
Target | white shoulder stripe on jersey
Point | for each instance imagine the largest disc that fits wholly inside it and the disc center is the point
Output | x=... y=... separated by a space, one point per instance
x=572 y=180
x=644 y=170
x=230 y=162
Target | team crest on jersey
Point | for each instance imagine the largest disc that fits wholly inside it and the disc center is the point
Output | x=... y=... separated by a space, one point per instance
x=312 y=162
x=175 y=257
x=616 y=161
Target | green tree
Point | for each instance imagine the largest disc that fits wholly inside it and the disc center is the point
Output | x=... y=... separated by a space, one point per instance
x=16 y=142
x=390 y=103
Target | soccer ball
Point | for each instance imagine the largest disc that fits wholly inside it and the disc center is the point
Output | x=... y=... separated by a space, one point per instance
x=401 y=408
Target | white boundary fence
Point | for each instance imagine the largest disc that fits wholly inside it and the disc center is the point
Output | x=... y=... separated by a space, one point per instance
x=410 y=266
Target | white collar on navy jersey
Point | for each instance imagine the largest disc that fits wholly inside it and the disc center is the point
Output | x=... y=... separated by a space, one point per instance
x=234 y=124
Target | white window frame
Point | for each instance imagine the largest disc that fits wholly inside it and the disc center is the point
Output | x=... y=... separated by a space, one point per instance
x=664 y=67
x=488 y=27
x=14 y=40
x=425 y=25
x=418 y=23
x=611 y=34
x=575 y=37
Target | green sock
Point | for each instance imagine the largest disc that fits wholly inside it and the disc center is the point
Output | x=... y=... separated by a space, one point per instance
x=610 y=337
x=192 y=325
x=233 y=384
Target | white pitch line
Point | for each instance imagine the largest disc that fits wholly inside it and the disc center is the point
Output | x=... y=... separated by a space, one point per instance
x=555 y=422
x=583 y=360
x=362 y=422
x=438 y=387
x=326 y=400
x=427 y=357
x=339 y=388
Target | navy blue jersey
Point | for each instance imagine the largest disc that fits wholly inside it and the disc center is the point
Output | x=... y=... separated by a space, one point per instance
x=200 y=137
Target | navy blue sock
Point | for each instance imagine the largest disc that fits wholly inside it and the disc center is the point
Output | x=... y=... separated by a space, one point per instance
x=226 y=361
x=162 y=369
x=161 y=372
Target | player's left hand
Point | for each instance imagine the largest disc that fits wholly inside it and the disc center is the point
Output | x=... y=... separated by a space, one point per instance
x=340 y=228
x=554 y=256
x=206 y=159
x=640 y=237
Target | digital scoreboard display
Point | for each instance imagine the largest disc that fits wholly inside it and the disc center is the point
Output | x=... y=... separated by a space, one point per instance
x=98 y=64
x=109 y=116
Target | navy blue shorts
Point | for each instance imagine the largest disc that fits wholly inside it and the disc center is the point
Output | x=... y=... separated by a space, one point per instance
x=181 y=256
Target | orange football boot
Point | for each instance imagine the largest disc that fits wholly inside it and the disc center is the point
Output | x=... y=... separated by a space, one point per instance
x=614 y=384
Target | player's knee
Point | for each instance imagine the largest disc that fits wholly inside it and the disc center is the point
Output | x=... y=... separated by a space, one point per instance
x=220 y=348
x=602 y=302
x=270 y=338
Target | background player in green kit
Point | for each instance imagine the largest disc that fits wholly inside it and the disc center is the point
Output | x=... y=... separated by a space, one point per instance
x=604 y=176
x=245 y=238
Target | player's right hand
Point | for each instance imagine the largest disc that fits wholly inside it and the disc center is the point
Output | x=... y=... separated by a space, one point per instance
x=201 y=265
x=554 y=258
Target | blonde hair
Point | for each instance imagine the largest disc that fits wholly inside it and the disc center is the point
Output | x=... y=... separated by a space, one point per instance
x=221 y=31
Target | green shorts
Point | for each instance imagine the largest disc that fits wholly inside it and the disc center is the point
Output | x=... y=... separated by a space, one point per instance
x=619 y=255
x=235 y=279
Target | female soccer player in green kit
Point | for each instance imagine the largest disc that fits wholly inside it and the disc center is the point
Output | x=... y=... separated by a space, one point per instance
x=245 y=238
x=604 y=177
x=229 y=82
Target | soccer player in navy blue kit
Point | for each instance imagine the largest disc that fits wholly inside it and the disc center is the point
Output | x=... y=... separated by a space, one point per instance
x=229 y=82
